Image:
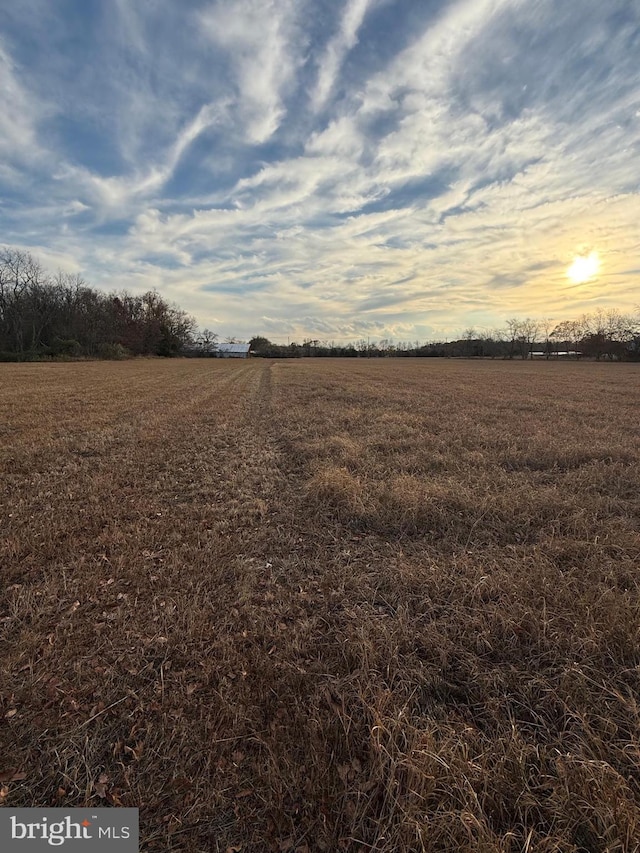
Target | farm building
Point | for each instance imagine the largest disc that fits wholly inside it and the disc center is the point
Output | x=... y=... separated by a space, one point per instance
x=233 y=350
x=561 y=354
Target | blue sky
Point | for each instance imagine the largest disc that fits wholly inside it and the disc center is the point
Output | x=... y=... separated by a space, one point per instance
x=328 y=168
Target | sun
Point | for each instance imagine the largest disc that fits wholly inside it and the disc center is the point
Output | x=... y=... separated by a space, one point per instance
x=584 y=267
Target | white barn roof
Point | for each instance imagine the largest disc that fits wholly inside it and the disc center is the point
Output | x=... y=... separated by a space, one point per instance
x=233 y=348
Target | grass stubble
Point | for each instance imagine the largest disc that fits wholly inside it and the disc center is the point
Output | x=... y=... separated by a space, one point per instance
x=325 y=605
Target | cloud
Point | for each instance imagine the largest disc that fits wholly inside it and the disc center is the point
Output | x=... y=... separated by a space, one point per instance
x=344 y=40
x=20 y=112
x=264 y=43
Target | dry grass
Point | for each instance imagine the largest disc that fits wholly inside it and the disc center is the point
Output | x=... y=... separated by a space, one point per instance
x=324 y=606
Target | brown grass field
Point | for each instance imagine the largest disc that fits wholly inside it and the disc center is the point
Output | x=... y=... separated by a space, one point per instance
x=386 y=605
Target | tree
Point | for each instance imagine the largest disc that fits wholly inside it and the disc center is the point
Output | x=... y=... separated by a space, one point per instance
x=546 y=327
x=568 y=335
x=21 y=280
x=166 y=328
x=530 y=332
x=513 y=335
x=386 y=347
x=207 y=342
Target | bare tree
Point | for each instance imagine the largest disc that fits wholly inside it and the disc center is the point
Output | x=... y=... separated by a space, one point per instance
x=529 y=330
x=513 y=335
x=206 y=342
x=469 y=336
x=546 y=327
x=21 y=277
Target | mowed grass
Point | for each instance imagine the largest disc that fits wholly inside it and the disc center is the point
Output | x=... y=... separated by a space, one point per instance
x=325 y=605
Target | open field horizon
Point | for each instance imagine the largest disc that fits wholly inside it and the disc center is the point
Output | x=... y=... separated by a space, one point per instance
x=323 y=605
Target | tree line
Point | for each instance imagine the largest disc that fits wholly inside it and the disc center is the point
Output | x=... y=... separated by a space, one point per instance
x=62 y=316
x=609 y=335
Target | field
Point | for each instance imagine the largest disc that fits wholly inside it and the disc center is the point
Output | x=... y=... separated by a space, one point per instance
x=372 y=605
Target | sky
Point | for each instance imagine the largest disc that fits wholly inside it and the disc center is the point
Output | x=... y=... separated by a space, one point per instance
x=329 y=169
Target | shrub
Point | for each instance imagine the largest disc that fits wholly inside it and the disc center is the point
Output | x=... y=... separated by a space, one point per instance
x=113 y=352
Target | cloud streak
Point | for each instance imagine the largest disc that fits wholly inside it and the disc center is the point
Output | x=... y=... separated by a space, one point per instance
x=264 y=44
x=19 y=115
x=338 y=47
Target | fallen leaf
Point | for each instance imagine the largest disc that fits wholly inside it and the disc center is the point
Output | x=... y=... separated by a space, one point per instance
x=52 y=687
x=343 y=771
x=12 y=776
x=11 y=713
x=101 y=785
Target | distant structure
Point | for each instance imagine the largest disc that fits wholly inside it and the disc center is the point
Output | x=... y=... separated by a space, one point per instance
x=232 y=350
x=553 y=354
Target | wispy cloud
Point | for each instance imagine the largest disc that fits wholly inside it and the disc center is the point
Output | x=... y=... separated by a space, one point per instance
x=20 y=111
x=338 y=47
x=264 y=43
